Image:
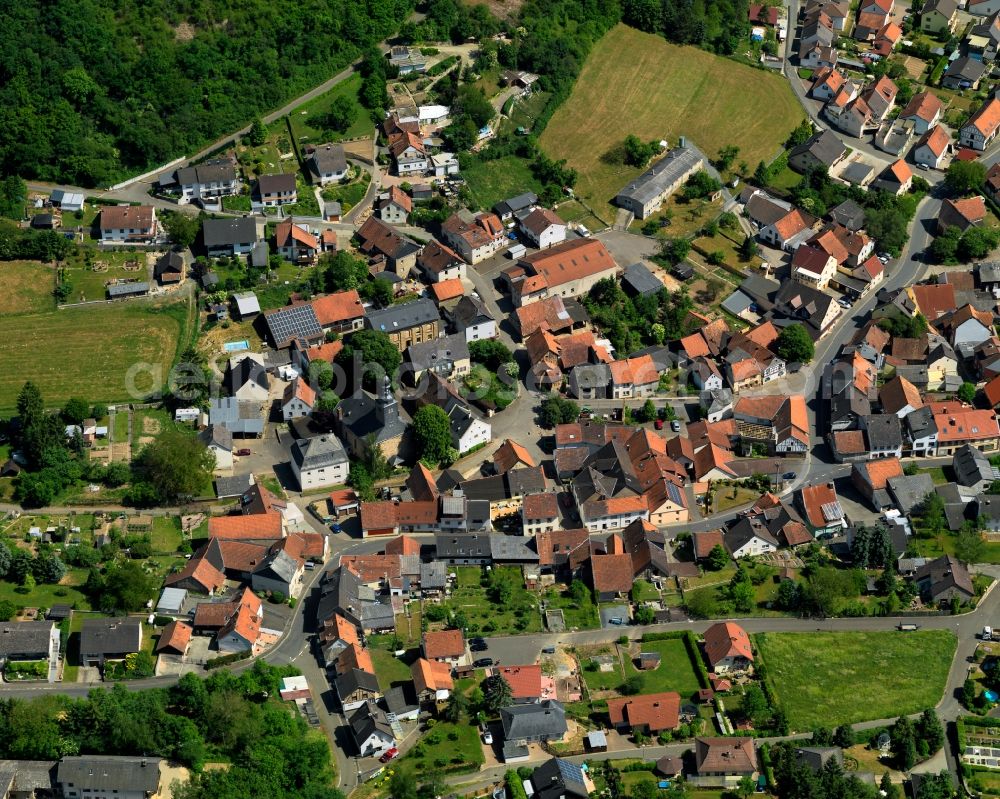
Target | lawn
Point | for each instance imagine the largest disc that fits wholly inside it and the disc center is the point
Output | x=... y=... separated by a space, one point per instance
x=307 y=119
x=447 y=747
x=598 y=680
x=166 y=537
x=826 y=679
x=90 y=284
x=637 y=83
x=674 y=674
x=26 y=287
x=390 y=669
x=945 y=543
x=576 y=616
x=44 y=596
x=484 y=616
x=349 y=194
x=89 y=352
x=492 y=181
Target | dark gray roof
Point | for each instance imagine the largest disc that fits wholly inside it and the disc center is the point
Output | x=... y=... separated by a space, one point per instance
x=459 y=546
x=468 y=311
x=226 y=487
x=403 y=316
x=278 y=565
x=511 y=549
x=665 y=172
x=401 y=699
x=206 y=173
x=360 y=416
x=965 y=68
x=127 y=289
x=220 y=436
x=328 y=158
x=972 y=466
x=228 y=232
x=319 y=452
x=515 y=204
x=558 y=778
x=823 y=145
x=247 y=370
x=737 y=302
x=942 y=574
x=276 y=184
x=104 y=773
x=341 y=591
x=355 y=679
x=547 y=719
x=909 y=491
x=802 y=304
x=433 y=575
x=849 y=214
x=110 y=636
x=920 y=422
x=883 y=431
x=24 y=638
x=433 y=353
x=295 y=321
x=745 y=530
x=816 y=756
x=367 y=719
x=171 y=262
x=761 y=289
x=32 y=776
x=640 y=279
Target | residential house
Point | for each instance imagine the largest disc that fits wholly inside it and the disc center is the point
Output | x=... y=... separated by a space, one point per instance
x=933 y=148
x=813 y=266
x=560 y=779
x=468 y=429
x=724 y=761
x=371 y=730
x=439 y=263
x=823 y=511
x=895 y=178
x=476 y=240
x=924 y=111
x=128 y=223
x=447 y=356
x=228 y=237
x=880 y=97
x=432 y=681
x=963 y=73
x=789 y=231
x=518 y=206
x=649 y=714
x=342 y=312
x=778 y=422
x=939 y=16
x=871 y=478
x=900 y=397
x=567 y=270
x=318 y=462
x=273 y=191
x=199 y=575
x=247 y=379
x=959 y=424
x=295 y=242
x=385 y=247
x=981 y=129
x=827 y=83
x=749 y=537
x=539 y=722
x=973 y=469
x=727 y=649
x=174 y=639
x=543 y=228
x=444 y=646
x=394 y=206
x=470 y=317
x=208 y=181
x=943 y=579
x=327 y=164
x=169 y=268
x=822 y=150
x=355 y=687
x=107 y=777
x=29 y=640
x=539 y=513
x=407 y=323
x=109 y=639
x=983 y=8
x=218 y=440
x=884 y=435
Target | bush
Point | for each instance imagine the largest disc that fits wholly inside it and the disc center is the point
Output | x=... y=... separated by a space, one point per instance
x=224 y=660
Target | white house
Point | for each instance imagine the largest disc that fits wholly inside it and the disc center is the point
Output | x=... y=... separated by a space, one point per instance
x=208 y=181
x=444 y=164
x=787 y=232
x=298 y=401
x=122 y=223
x=933 y=148
x=327 y=164
x=371 y=730
x=219 y=441
x=980 y=131
x=476 y=240
x=543 y=228
x=320 y=461
x=746 y=539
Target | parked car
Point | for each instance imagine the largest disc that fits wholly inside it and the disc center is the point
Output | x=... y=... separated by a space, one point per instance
x=658 y=424
x=487 y=737
x=789 y=476
x=243 y=452
x=478 y=645
x=548 y=650
x=483 y=663
x=389 y=755
x=675 y=426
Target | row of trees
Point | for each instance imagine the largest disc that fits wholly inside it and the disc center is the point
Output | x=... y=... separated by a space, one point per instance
x=269 y=749
x=717 y=25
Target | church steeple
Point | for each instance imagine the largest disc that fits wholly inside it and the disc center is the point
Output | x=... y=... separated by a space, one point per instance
x=386 y=407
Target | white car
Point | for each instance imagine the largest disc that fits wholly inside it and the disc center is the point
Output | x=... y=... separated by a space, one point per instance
x=487 y=737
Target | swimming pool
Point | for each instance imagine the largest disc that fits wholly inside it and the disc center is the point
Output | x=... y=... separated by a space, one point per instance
x=236 y=346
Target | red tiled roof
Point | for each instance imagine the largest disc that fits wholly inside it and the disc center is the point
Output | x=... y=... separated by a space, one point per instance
x=934 y=299
x=704 y=542
x=957 y=422
x=431 y=675
x=987 y=119
x=923 y=105
x=571 y=260
x=612 y=573
x=443 y=644
x=726 y=639
x=175 y=636
x=447 y=289
x=525 y=681
x=287 y=234
x=404 y=545
x=813 y=500
x=657 y=712
x=246 y=527
x=540 y=506
x=201 y=571
x=378 y=515
x=897 y=393
x=354 y=656
x=117 y=217
x=510 y=454
x=336 y=308
x=372 y=568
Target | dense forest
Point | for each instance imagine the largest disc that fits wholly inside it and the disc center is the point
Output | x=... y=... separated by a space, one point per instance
x=714 y=24
x=95 y=89
x=226 y=718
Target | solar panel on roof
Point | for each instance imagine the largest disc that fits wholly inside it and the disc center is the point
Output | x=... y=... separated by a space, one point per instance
x=832 y=511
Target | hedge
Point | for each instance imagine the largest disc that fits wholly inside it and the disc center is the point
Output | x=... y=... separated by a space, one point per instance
x=972 y=721
x=514 y=786
x=224 y=660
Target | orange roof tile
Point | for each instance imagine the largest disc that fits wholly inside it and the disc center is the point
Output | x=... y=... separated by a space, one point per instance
x=897 y=393
x=288 y=234
x=987 y=119
x=934 y=299
x=793 y=223
x=246 y=527
x=726 y=639
x=612 y=573
x=339 y=307
x=202 y=572
x=354 y=656
x=447 y=289
x=656 y=712
x=881 y=470
x=510 y=454
x=378 y=515
x=175 y=636
x=372 y=568
x=443 y=644
x=813 y=500
x=923 y=105
x=957 y=422
x=431 y=675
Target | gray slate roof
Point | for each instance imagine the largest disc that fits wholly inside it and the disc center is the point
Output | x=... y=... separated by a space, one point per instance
x=104 y=773
x=665 y=172
x=242 y=418
x=640 y=279
x=404 y=316
x=547 y=719
x=318 y=453
x=110 y=636
x=24 y=638
x=227 y=232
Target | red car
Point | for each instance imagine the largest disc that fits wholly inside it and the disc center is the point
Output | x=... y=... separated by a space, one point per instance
x=389 y=755
x=658 y=424
x=244 y=451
